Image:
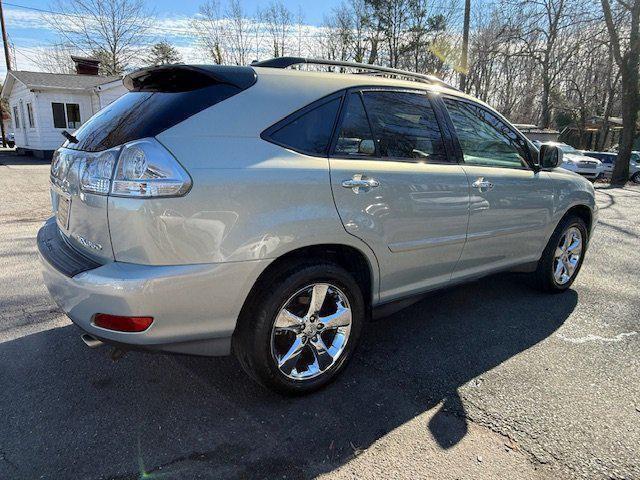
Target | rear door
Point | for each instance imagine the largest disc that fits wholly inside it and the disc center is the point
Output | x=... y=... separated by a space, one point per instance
x=511 y=205
x=397 y=187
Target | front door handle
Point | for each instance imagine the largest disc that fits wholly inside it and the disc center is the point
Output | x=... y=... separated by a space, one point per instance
x=482 y=184
x=359 y=183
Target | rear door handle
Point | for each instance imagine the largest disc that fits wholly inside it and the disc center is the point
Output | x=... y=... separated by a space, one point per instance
x=482 y=184
x=359 y=183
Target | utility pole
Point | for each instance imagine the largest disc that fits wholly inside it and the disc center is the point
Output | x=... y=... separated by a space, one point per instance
x=464 y=59
x=7 y=58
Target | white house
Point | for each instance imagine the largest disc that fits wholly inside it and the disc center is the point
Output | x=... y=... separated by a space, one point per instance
x=42 y=105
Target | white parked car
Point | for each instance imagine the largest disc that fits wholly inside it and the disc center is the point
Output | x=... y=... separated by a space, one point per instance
x=576 y=161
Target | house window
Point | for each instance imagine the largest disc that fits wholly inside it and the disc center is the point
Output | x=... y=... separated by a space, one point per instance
x=16 y=118
x=59 y=121
x=30 y=115
x=73 y=115
x=66 y=115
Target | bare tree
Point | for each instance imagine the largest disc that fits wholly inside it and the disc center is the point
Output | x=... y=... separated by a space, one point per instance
x=56 y=58
x=547 y=32
x=278 y=21
x=299 y=31
x=338 y=34
x=240 y=33
x=609 y=98
x=210 y=29
x=623 y=24
x=422 y=30
x=586 y=87
x=360 y=14
x=111 y=29
x=392 y=17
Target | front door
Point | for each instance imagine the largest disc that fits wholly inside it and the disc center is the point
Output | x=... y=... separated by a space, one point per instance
x=397 y=189
x=511 y=205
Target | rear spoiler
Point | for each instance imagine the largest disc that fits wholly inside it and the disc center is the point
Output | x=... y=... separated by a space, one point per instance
x=184 y=78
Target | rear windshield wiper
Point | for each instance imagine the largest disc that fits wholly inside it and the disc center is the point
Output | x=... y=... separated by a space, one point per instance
x=69 y=137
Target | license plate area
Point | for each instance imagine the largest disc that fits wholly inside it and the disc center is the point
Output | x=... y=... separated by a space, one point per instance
x=64 y=210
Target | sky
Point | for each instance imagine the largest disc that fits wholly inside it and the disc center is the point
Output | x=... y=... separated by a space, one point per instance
x=28 y=32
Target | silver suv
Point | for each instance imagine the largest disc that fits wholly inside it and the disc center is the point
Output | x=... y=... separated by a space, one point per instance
x=272 y=211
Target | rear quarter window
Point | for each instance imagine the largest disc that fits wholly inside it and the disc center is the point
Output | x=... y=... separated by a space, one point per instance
x=307 y=131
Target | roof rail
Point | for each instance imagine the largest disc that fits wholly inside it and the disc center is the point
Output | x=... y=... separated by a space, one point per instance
x=284 y=62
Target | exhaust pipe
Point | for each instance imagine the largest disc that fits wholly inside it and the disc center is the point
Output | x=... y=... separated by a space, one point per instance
x=90 y=341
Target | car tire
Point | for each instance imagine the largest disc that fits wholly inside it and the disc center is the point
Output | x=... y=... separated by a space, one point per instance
x=635 y=178
x=552 y=277
x=266 y=335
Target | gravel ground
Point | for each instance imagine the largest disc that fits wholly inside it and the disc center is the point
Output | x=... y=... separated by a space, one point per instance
x=488 y=380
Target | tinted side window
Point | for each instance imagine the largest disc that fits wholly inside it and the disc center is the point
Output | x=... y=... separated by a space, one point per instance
x=485 y=139
x=405 y=126
x=311 y=131
x=354 y=137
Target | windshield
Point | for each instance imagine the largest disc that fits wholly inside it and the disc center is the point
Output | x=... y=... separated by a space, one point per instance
x=567 y=148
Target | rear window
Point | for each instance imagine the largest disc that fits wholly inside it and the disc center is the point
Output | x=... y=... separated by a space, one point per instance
x=309 y=131
x=161 y=98
x=144 y=114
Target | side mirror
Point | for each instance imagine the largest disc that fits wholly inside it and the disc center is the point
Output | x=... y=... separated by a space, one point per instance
x=549 y=157
x=367 y=147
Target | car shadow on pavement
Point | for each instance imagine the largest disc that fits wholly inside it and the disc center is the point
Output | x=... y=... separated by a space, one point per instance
x=11 y=158
x=69 y=412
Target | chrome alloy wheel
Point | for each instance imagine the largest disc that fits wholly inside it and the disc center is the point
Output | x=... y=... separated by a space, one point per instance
x=311 y=331
x=567 y=255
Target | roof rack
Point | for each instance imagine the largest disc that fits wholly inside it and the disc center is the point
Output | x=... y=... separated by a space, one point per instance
x=284 y=62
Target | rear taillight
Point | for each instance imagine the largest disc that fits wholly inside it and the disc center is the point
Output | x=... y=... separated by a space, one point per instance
x=139 y=169
x=147 y=169
x=122 y=323
x=96 y=172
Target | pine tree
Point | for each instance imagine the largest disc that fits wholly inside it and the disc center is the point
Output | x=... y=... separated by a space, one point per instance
x=163 y=53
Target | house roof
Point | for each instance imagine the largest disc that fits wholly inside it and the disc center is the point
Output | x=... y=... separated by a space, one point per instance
x=63 y=81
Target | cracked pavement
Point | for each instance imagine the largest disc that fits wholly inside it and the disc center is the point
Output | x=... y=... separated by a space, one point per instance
x=486 y=380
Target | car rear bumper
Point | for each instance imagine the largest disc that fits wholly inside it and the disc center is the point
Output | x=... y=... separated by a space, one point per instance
x=194 y=307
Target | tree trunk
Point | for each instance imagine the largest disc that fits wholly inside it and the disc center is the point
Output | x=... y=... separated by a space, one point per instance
x=629 y=63
x=630 y=106
x=545 y=117
x=604 y=130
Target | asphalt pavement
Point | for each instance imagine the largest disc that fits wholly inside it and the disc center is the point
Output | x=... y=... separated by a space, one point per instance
x=487 y=380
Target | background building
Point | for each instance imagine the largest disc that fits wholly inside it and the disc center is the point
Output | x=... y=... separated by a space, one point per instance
x=42 y=105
